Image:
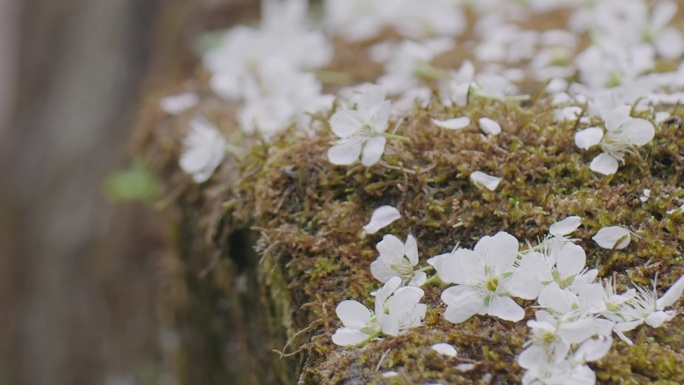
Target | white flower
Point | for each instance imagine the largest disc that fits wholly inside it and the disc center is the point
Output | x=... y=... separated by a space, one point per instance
x=356 y=20
x=203 y=150
x=382 y=217
x=284 y=34
x=612 y=237
x=646 y=307
x=457 y=89
x=407 y=62
x=623 y=134
x=559 y=261
x=645 y=195
x=361 y=130
x=280 y=96
x=428 y=18
x=487 y=181
x=398 y=309
x=359 y=324
x=569 y=113
x=489 y=126
x=445 y=349
x=177 y=104
x=482 y=277
x=397 y=260
x=453 y=124
x=668 y=41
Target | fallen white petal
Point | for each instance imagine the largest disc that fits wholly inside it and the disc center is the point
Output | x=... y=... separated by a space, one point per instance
x=661 y=116
x=608 y=237
x=566 y=226
x=453 y=124
x=382 y=217
x=489 y=126
x=176 y=104
x=464 y=367
x=445 y=349
x=390 y=374
x=488 y=181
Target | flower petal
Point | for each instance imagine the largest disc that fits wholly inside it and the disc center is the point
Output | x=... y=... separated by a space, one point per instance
x=604 y=164
x=594 y=349
x=638 y=131
x=588 y=137
x=566 y=226
x=672 y=294
x=353 y=314
x=482 y=179
x=527 y=277
x=617 y=117
x=373 y=150
x=578 y=331
x=405 y=299
x=662 y=13
x=465 y=267
x=505 y=308
x=445 y=349
x=381 y=116
x=345 y=123
x=391 y=249
x=382 y=217
x=411 y=250
x=348 y=337
x=658 y=318
x=382 y=271
x=608 y=237
x=500 y=251
x=344 y=152
x=533 y=357
x=553 y=297
x=571 y=260
x=489 y=126
x=463 y=302
x=670 y=43
x=453 y=124
x=419 y=278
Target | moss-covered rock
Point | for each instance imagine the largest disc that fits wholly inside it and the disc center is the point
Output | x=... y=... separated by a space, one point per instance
x=308 y=216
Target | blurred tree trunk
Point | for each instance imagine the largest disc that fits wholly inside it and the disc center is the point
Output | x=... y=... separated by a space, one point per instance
x=77 y=274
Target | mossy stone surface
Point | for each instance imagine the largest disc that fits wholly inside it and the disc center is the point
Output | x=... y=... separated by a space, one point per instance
x=309 y=215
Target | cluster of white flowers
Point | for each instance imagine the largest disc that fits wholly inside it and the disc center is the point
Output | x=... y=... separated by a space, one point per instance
x=270 y=69
x=610 y=88
x=577 y=313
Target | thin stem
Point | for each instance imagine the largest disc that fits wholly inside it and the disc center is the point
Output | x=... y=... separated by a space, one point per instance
x=397 y=137
x=234 y=150
x=426 y=268
x=517 y=98
x=333 y=77
x=434 y=280
x=426 y=71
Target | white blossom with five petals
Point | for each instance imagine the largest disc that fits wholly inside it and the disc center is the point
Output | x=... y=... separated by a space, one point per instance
x=361 y=129
x=398 y=259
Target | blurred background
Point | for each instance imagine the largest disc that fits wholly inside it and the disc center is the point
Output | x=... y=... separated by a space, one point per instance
x=80 y=287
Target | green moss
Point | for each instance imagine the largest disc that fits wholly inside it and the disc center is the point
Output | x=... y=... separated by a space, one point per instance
x=311 y=213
